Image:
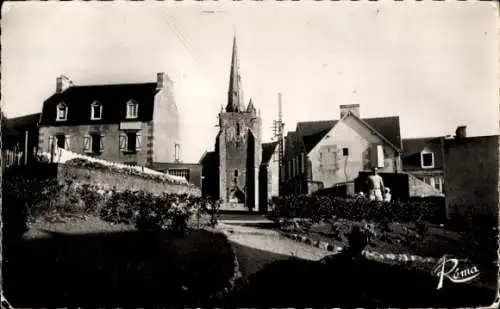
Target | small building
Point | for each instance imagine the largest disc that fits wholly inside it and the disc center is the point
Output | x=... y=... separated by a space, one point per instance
x=136 y=124
x=423 y=158
x=323 y=154
x=191 y=171
x=471 y=169
x=269 y=182
x=19 y=133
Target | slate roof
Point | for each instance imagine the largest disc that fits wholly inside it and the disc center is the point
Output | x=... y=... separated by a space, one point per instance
x=20 y=124
x=113 y=98
x=412 y=146
x=313 y=131
x=388 y=127
x=267 y=151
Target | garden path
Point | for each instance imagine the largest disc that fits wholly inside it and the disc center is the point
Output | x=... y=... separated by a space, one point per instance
x=257 y=247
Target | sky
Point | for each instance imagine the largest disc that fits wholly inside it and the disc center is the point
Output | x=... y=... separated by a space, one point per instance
x=433 y=64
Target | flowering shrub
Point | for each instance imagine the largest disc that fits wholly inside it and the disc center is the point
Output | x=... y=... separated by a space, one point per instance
x=27 y=199
x=320 y=208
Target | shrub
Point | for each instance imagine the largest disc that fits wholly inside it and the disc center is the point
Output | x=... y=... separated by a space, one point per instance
x=320 y=208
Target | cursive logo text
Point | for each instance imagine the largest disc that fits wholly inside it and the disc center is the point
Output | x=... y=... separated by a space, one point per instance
x=449 y=268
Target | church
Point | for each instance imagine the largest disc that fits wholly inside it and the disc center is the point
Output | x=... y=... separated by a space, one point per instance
x=242 y=171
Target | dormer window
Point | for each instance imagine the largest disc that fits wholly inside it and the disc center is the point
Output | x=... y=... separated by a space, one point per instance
x=62 y=112
x=132 y=109
x=96 y=111
x=427 y=159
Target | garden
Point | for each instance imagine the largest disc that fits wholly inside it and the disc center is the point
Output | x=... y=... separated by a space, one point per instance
x=414 y=227
x=71 y=244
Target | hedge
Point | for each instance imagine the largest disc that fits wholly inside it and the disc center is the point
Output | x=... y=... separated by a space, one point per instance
x=320 y=208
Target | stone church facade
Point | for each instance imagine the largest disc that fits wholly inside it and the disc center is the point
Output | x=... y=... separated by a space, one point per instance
x=231 y=172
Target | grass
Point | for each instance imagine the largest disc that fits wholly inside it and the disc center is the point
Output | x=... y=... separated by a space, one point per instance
x=88 y=262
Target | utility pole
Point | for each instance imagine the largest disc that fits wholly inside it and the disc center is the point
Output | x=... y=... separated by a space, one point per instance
x=278 y=127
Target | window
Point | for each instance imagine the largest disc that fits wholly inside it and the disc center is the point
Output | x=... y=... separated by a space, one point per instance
x=63 y=141
x=93 y=143
x=181 y=172
x=130 y=141
x=345 y=152
x=176 y=152
x=132 y=109
x=377 y=156
x=62 y=112
x=438 y=184
x=427 y=160
x=96 y=111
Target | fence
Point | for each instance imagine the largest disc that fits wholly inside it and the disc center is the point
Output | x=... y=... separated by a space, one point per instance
x=12 y=158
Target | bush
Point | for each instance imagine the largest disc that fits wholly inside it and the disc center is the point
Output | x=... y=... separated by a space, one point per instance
x=30 y=198
x=320 y=208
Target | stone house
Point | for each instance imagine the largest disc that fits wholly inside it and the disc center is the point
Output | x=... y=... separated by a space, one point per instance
x=269 y=181
x=471 y=169
x=134 y=124
x=322 y=154
x=423 y=158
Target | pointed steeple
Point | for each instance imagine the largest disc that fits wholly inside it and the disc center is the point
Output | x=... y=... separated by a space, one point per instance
x=235 y=93
x=251 y=107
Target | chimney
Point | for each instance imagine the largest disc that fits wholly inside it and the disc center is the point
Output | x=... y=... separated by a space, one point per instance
x=353 y=108
x=63 y=83
x=461 y=132
x=162 y=80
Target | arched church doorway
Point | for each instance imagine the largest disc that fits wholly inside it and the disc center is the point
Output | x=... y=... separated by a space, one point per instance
x=237 y=196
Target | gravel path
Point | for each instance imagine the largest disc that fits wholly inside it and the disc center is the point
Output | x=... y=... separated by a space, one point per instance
x=256 y=248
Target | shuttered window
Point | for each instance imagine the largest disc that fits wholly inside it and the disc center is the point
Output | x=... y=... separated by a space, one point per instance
x=130 y=141
x=51 y=143
x=67 y=142
x=101 y=143
x=87 y=142
x=123 y=141
x=138 y=141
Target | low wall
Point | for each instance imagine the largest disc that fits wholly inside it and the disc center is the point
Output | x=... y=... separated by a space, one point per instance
x=122 y=182
x=93 y=176
x=419 y=188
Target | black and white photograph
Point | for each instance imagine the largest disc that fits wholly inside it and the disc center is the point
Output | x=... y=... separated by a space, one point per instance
x=199 y=154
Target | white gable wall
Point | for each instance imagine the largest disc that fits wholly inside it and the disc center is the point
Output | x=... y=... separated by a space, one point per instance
x=330 y=166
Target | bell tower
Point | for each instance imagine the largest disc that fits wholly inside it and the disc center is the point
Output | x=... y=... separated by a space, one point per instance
x=239 y=146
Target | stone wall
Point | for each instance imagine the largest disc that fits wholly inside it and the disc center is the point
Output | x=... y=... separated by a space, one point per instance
x=419 y=188
x=121 y=182
x=472 y=176
x=111 y=141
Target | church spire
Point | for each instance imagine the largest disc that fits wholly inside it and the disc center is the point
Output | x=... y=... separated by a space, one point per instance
x=251 y=107
x=235 y=94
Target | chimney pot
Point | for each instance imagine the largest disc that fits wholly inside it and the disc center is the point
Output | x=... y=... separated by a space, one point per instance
x=63 y=83
x=461 y=132
x=162 y=80
x=353 y=108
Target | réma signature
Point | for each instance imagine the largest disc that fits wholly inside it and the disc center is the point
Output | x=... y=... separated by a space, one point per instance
x=450 y=268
